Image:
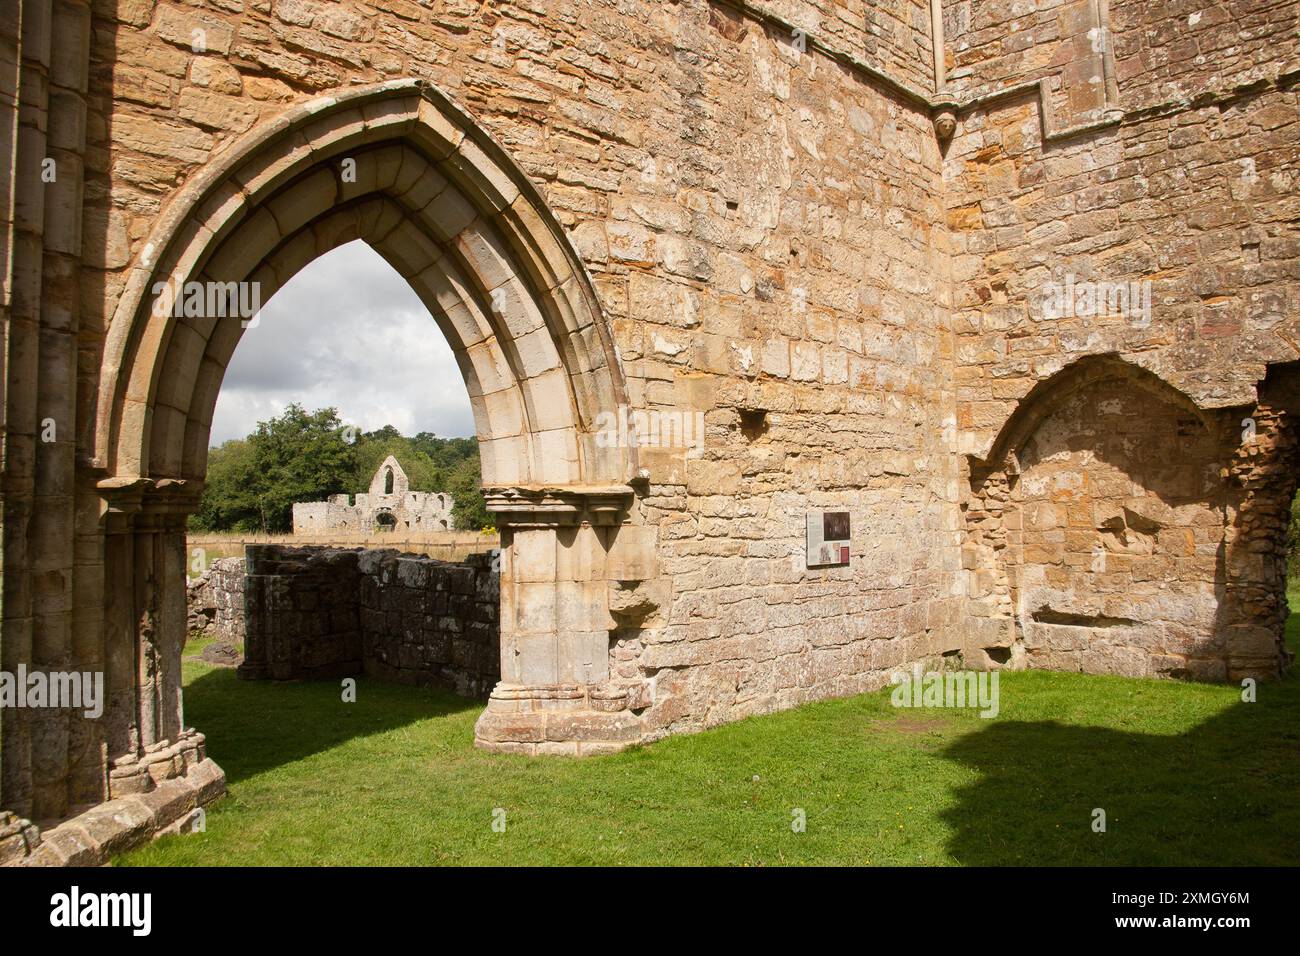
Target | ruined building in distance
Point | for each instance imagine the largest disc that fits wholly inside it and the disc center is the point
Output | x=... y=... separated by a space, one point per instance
x=389 y=505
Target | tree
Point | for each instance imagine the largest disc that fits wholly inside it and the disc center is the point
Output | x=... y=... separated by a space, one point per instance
x=1293 y=541
x=299 y=456
x=445 y=453
x=469 y=509
x=253 y=483
x=373 y=447
x=228 y=502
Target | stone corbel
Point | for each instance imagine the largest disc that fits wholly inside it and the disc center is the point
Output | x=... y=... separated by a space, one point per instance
x=174 y=496
x=944 y=117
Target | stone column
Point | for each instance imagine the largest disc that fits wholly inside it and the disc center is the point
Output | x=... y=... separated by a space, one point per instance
x=555 y=694
x=145 y=619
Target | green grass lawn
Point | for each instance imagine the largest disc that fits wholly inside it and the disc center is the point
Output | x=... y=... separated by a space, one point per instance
x=1187 y=775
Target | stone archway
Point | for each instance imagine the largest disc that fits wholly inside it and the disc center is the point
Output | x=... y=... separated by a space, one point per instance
x=1107 y=529
x=399 y=166
x=402 y=168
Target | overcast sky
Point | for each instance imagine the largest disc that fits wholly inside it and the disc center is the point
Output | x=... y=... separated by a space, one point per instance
x=346 y=331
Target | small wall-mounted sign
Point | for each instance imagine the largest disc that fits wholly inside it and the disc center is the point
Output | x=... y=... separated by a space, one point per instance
x=828 y=538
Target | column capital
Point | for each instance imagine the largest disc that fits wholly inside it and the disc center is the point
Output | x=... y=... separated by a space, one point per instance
x=124 y=495
x=132 y=494
x=553 y=506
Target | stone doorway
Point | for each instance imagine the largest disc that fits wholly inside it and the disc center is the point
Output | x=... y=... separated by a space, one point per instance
x=400 y=167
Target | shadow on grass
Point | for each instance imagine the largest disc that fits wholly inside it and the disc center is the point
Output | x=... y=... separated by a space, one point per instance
x=255 y=726
x=1223 y=793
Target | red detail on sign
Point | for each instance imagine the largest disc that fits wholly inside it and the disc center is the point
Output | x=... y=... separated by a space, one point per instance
x=844 y=555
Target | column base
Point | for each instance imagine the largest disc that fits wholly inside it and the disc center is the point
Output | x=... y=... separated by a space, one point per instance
x=560 y=719
x=160 y=793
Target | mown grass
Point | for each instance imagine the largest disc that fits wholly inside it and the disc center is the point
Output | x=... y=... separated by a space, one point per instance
x=1187 y=774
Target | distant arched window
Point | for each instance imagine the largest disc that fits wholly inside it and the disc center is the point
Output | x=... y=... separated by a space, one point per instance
x=388 y=482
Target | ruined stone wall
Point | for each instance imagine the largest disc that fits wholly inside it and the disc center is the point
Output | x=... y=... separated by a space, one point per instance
x=1150 y=220
x=1180 y=52
x=429 y=622
x=892 y=35
x=413 y=512
x=1123 y=530
x=1192 y=193
x=779 y=245
x=324 y=612
x=1118 y=513
x=444 y=545
x=765 y=231
x=216 y=601
x=323 y=517
x=991 y=46
x=302 y=619
x=1158 y=52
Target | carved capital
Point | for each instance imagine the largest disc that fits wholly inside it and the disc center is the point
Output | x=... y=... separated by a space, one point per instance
x=520 y=507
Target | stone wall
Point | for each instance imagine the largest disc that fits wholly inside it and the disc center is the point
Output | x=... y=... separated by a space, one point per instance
x=324 y=612
x=1123 y=275
x=1121 y=511
x=411 y=512
x=301 y=614
x=767 y=232
x=389 y=505
x=444 y=545
x=763 y=224
x=430 y=622
x=216 y=601
x=894 y=35
x=1188 y=192
x=1098 y=547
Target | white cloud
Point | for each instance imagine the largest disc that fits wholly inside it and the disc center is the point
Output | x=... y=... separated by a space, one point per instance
x=346 y=331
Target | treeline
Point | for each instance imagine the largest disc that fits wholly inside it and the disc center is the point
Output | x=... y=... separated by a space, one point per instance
x=253 y=482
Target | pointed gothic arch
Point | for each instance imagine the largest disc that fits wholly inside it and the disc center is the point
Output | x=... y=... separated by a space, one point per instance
x=399 y=166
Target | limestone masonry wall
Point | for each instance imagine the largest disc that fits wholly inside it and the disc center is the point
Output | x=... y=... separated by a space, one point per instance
x=302 y=618
x=765 y=232
x=1192 y=202
x=389 y=505
x=324 y=612
x=430 y=622
x=216 y=601
x=444 y=545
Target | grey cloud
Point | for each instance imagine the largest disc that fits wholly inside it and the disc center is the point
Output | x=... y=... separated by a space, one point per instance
x=346 y=331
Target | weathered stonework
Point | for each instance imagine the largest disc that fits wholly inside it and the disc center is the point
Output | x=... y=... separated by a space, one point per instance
x=431 y=623
x=389 y=505
x=323 y=612
x=792 y=218
x=215 y=601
